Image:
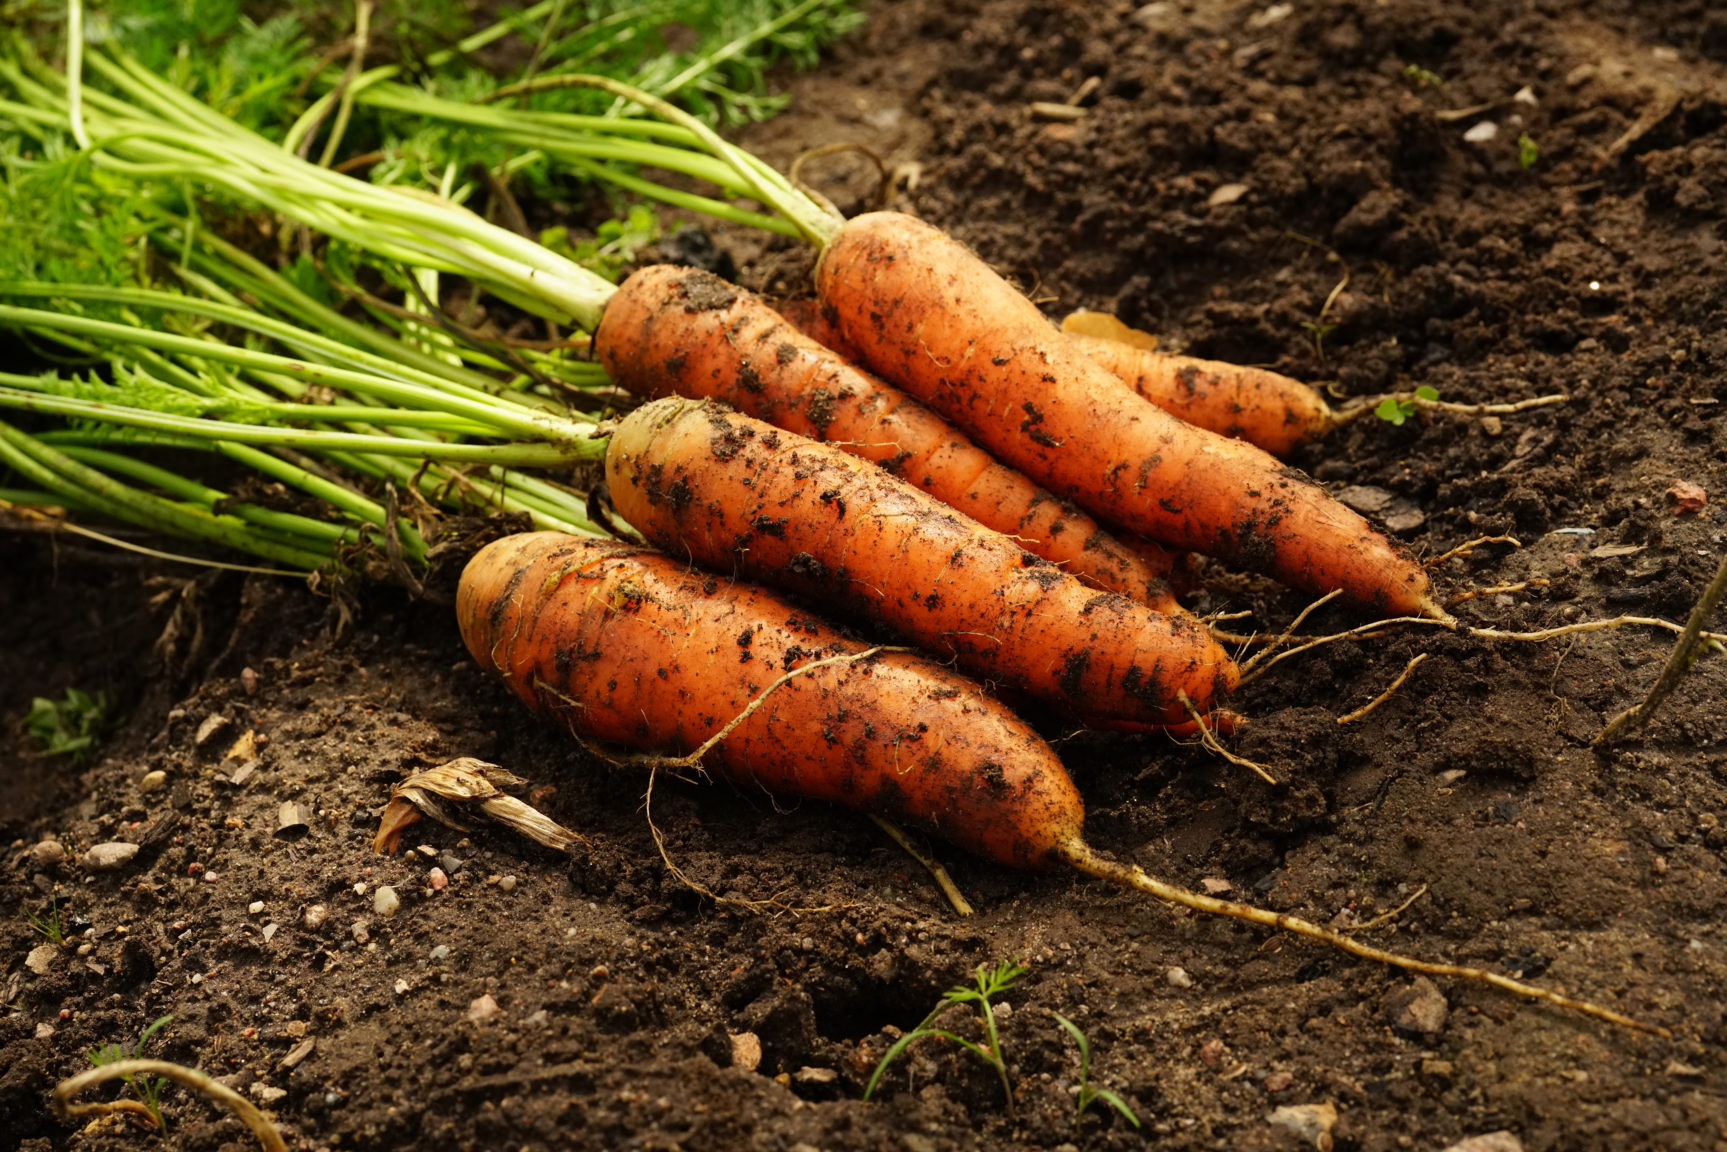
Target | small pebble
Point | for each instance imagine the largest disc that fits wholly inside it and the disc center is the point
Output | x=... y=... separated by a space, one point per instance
x=385 y=901
x=746 y=1051
x=152 y=781
x=1212 y=1052
x=600 y=972
x=41 y=958
x=401 y=987
x=210 y=729
x=270 y=931
x=1482 y=132
x=44 y=1030
x=267 y=1094
x=110 y=856
x=437 y=879
x=249 y=681
x=1489 y=1142
x=47 y=854
x=449 y=864
x=1178 y=978
x=1215 y=885
x=1311 y=1123
x=483 y=1009
x=809 y=944
x=1417 y=1007
x=507 y=884
x=1279 y=1081
x=211 y=877
x=427 y=851
x=361 y=931
x=315 y=916
x=440 y=953
x=295 y=1029
x=255 y=907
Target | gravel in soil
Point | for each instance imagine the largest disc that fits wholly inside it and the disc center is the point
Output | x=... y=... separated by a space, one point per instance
x=1278 y=184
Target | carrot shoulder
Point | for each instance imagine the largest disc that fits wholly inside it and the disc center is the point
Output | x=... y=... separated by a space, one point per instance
x=625 y=646
x=683 y=331
x=928 y=314
x=739 y=495
x=1252 y=404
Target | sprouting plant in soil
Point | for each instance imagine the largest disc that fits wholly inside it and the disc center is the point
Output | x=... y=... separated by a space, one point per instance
x=68 y=727
x=1394 y=410
x=1090 y=1093
x=148 y=1089
x=986 y=982
x=1421 y=77
x=48 y=924
x=1528 y=151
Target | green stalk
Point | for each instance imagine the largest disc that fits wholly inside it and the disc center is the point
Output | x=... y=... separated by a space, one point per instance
x=59 y=473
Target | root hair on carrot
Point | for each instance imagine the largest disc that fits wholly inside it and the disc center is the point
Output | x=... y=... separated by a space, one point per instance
x=1274 y=645
x=1208 y=739
x=64 y=1092
x=955 y=897
x=1081 y=856
x=1496 y=590
x=1359 y=713
x=1385 y=918
x=1468 y=547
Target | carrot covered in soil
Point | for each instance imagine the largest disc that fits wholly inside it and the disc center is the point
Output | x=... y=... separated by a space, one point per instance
x=682 y=331
x=626 y=646
x=1252 y=404
x=739 y=495
x=928 y=314
x=622 y=645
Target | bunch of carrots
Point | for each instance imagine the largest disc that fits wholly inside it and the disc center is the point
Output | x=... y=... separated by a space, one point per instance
x=947 y=482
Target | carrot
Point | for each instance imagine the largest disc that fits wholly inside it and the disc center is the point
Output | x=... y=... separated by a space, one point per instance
x=736 y=494
x=1252 y=404
x=622 y=645
x=628 y=647
x=683 y=331
x=925 y=312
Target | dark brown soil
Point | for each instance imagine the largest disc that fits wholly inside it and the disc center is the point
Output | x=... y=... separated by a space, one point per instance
x=1598 y=270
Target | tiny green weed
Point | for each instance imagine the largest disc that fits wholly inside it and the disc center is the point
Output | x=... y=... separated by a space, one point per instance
x=986 y=982
x=68 y=727
x=1421 y=77
x=1090 y=1093
x=148 y=1089
x=1528 y=151
x=48 y=924
x=1393 y=410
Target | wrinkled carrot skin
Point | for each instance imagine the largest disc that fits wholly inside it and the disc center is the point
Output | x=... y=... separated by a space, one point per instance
x=926 y=313
x=626 y=646
x=808 y=316
x=741 y=496
x=685 y=332
x=1264 y=408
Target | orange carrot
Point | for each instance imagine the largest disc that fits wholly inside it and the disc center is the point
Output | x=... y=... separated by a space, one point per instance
x=682 y=331
x=1252 y=404
x=928 y=314
x=628 y=647
x=736 y=494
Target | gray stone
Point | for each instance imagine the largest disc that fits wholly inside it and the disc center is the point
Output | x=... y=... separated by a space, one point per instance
x=110 y=856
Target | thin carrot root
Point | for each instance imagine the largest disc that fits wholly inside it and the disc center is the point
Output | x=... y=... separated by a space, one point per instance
x=1387 y=917
x=1359 y=713
x=1684 y=652
x=1496 y=590
x=1082 y=857
x=1340 y=417
x=64 y=1092
x=961 y=905
x=1209 y=740
x=1468 y=547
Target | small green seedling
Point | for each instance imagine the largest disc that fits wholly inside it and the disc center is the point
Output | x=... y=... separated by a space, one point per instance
x=48 y=925
x=1394 y=410
x=986 y=983
x=68 y=727
x=148 y=1089
x=1422 y=77
x=1090 y=1093
x=1528 y=151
